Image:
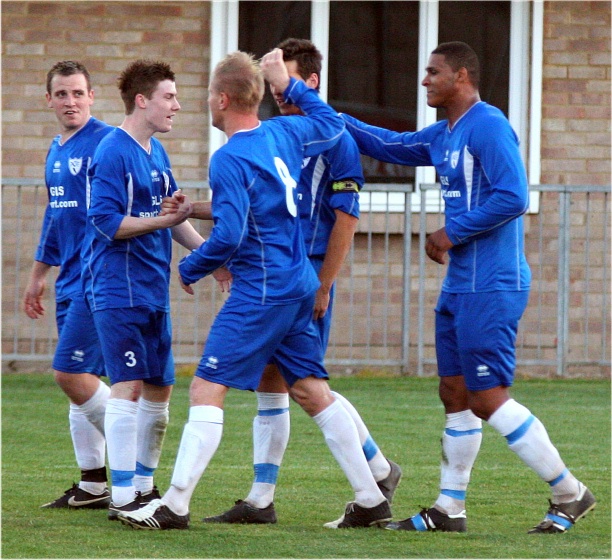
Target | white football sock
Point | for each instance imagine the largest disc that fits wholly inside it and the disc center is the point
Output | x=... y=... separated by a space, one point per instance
x=460 y=445
x=342 y=439
x=87 y=430
x=270 y=437
x=528 y=438
x=152 y=420
x=120 y=428
x=379 y=466
x=201 y=437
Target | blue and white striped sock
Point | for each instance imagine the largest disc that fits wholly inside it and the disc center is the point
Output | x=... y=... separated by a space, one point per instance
x=528 y=438
x=271 y=429
x=460 y=445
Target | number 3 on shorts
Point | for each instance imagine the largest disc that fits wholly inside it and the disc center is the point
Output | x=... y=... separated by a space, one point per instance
x=131 y=359
x=290 y=185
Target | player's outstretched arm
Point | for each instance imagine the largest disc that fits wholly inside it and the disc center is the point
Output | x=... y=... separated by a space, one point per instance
x=201 y=210
x=132 y=226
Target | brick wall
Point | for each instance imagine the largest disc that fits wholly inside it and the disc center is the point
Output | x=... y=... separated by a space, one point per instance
x=576 y=93
x=108 y=35
x=105 y=36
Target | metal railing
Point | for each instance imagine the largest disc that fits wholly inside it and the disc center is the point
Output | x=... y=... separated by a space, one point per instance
x=573 y=331
x=383 y=317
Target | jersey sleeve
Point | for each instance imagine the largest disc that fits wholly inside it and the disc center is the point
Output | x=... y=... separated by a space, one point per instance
x=495 y=144
x=230 y=209
x=346 y=176
x=323 y=126
x=108 y=204
x=405 y=148
x=48 y=247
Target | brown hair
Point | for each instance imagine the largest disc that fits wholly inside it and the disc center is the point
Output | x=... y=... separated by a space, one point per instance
x=67 y=68
x=307 y=56
x=142 y=76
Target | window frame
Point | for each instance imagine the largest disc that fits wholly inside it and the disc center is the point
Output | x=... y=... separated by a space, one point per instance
x=525 y=81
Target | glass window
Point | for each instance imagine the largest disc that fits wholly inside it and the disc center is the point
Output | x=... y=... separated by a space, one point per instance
x=373 y=72
x=485 y=26
x=263 y=25
x=373 y=57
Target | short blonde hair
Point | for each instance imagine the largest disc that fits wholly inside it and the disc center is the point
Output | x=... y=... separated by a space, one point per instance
x=239 y=76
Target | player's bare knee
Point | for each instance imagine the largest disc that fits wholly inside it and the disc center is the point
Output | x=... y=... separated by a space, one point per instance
x=78 y=387
x=484 y=403
x=312 y=394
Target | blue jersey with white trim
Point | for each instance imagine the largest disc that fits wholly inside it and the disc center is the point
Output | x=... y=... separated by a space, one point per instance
x=63 y=226
x=256 y=231
x=484 y=187
x=330 y=181
x=126 y=180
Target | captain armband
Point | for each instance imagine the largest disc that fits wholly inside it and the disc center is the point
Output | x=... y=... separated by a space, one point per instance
x=345 y=186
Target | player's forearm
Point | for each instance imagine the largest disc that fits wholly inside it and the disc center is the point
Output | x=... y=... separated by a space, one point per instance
x=39 y=271
x=186 y=235
x=202 y=210
x=405 y=148
x=132 y=226
x=499 y=209
x=338 y=247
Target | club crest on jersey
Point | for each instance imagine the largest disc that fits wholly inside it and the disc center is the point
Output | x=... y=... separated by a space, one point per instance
x=454 y=159
x=75 y=164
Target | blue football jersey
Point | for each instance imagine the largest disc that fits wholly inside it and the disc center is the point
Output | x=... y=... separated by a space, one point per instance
x=126 y=180
x=63 y=227
x=484 y=186
x=330 y=181
x=256 y=231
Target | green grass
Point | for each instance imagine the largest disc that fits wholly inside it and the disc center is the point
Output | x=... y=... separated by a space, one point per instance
x=406 y=419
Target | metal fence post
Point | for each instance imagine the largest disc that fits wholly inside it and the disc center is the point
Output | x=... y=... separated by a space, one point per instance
x=563 y=281
x=421 y=304
x=404 y=368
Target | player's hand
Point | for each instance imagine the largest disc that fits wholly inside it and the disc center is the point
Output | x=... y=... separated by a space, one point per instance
x=170 y=204
x=184 y=209
x=223 y=278
x=437 y=245
x=186 y=287
x=32 y=304
x=321 y=304
x=274 y=69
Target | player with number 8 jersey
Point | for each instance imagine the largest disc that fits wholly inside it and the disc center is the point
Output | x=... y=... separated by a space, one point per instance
x=268 y=316
x=254 y=178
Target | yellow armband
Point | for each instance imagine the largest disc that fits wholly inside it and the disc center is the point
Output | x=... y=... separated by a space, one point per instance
x=345 y=186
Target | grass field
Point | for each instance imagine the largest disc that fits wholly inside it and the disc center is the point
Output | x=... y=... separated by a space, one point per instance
x=405 y=417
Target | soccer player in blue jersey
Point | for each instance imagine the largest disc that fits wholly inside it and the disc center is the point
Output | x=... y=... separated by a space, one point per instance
x=77 y=362
x=126 y=274
x=268 y=314
x=328 y=206
x=484 y=186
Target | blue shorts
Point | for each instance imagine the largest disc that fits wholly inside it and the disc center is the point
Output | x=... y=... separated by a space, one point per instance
x=323 y=325
x=137 y=344
x=476 y=337
x=246 y=336
x=78 y=347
